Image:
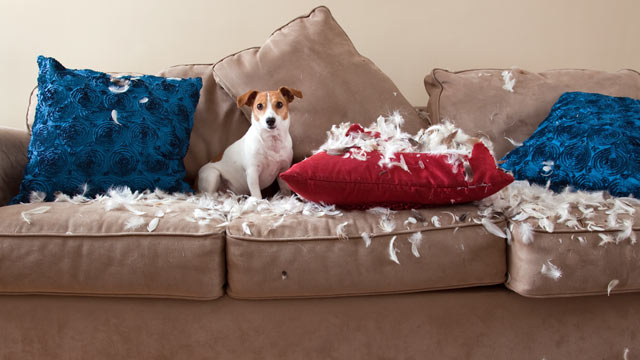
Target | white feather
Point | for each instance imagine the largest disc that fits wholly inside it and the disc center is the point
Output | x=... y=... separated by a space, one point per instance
x=153 y=224
x=245 y=228
x=626 y=231
x=435 y=221
x=341 y=232
x=134 y=211
x=493 y=228
x=513 y=142
x=410 y=220
x=366 y=238
x=37 y=197
x=416 y=240
x=119 y=86
x=276 y=224
x=114 y=116
x=613 y=283
x=386 y=224
x=520 y=217
x=453 y=216
x=546 y=224
x=26 y=215
x=591 y=226
x=625 y=356
x=526 y=232
x=551 y=271
x=509 y=80
x=134 y=222
x=393 y=251
x=606 y=239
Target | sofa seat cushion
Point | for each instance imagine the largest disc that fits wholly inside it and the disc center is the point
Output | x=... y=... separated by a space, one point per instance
x=570 y=243
x=81 y=249
x=566 y=261
x=361 y=252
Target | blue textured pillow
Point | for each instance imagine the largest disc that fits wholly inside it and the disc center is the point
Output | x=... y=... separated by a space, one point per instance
x=588 y=141
x=92 y=128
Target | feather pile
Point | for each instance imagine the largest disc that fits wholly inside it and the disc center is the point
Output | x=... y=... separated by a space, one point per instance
x=440 y=139
x=533 y=207
x=222 y=207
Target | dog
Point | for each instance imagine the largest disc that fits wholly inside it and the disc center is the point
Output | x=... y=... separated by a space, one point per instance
x=254 y=161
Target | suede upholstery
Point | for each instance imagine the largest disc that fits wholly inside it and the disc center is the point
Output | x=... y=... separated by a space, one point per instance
x=295 y=290
x=476 y=101
x=305 y=257
x=313 y=54
x=13 y=159
x=480 y=323
x=588 y=264
x=86 y=250
x=217 y=122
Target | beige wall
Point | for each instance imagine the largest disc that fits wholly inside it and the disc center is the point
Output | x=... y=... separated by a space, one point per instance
x=405 y=38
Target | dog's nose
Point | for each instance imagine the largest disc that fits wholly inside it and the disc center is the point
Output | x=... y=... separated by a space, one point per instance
x=271 y=121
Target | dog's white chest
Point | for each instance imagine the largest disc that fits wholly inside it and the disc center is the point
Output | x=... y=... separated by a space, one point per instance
x=273 y=156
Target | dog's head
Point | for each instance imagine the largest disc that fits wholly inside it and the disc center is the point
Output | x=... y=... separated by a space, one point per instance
x=270 y=109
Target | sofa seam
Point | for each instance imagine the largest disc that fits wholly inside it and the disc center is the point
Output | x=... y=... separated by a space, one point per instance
x=335 y=238
x=114 y=235
x=390 y=292
x=571 y=294
x=112 y=295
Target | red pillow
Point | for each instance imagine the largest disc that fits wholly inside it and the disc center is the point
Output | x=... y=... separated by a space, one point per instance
x=433 y=179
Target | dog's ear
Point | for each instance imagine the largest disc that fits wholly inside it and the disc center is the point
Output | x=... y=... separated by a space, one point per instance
x=290 y=93
x=247 y=98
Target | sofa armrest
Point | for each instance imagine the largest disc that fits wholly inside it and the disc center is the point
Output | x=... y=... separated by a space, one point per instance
x=13 y=159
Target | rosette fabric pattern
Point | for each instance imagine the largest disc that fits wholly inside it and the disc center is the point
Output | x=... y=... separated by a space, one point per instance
x=588 y=141
x=104 y=131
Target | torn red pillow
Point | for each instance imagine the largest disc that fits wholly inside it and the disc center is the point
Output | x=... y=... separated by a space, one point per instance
x=431 y=179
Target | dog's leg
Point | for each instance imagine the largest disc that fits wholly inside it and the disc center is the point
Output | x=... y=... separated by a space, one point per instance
x=253 y=181
x=208 y=179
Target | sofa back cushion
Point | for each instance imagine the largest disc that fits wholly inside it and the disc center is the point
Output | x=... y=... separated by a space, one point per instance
x=480 y=102
x=313 y=54
x=217 y=122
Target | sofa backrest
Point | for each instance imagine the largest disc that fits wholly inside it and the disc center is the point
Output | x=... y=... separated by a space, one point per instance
x=480 y=102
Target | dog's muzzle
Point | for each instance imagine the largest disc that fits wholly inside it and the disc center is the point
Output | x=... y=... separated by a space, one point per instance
x=271 y=122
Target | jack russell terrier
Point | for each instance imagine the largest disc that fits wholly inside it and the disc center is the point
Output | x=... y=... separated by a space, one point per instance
x=254 y=161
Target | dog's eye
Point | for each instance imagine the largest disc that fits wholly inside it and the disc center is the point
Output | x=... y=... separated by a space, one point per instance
x=279 y=105
x=259 y=106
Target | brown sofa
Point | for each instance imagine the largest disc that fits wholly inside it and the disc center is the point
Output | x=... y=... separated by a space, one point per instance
x=76 y=283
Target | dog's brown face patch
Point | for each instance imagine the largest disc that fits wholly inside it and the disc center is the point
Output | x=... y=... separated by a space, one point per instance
x=275 y=99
